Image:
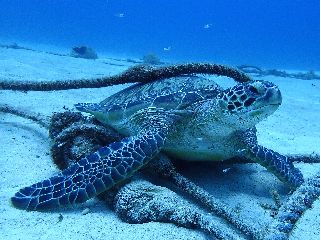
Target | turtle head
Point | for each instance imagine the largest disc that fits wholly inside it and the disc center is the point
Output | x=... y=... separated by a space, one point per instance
x=246 y=104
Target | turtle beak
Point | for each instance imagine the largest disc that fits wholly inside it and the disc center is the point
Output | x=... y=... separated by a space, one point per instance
x=273 y=96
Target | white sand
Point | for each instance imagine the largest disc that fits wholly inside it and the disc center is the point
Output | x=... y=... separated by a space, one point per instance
x=25 y=159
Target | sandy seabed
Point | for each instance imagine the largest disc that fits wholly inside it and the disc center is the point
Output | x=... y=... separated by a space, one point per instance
x=25 y=155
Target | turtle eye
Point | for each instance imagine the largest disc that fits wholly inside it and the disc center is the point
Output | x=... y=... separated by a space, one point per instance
x=253 y=90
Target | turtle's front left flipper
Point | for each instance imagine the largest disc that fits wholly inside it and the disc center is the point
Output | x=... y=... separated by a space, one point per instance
x=102 y=169
x=276 y=163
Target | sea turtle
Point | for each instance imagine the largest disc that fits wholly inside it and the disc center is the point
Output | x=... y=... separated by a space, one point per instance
x=189 y=117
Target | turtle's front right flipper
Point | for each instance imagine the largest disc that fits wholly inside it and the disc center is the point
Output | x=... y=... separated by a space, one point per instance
x=100 y=170
x=276 y=163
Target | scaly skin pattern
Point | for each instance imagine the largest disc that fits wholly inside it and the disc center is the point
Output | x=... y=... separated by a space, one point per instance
x=93 y=174
x=276 y=163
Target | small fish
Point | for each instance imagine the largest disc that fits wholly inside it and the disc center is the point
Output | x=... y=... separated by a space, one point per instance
x=167 y=48
x=226 y=170
x=119 y=15
x=207 y=26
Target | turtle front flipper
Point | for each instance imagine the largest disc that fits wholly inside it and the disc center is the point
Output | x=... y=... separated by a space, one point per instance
x=100 y=170
x=276 y=163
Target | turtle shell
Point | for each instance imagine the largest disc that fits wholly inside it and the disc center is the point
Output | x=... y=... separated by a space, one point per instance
x=172 y=93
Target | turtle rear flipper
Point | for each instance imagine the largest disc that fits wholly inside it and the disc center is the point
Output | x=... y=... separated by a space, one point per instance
x=100 y=170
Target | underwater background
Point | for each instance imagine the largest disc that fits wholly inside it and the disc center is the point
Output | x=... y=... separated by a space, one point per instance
x=37 y=42
x=282 y=34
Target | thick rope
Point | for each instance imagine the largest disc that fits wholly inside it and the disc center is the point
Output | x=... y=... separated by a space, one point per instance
x=140 y=73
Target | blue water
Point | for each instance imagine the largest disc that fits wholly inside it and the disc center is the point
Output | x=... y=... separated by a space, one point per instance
x=278 y=33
